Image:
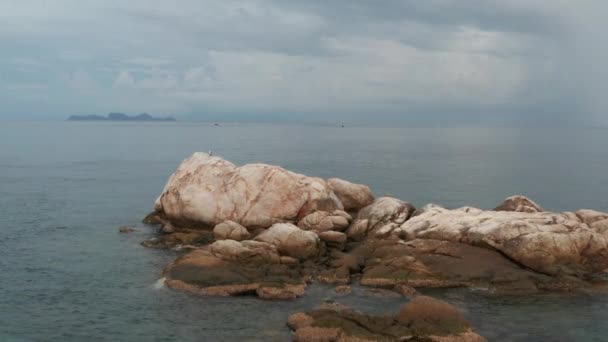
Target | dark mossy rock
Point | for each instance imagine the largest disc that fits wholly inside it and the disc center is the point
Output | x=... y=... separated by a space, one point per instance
x=190 y=238
x=153 y=218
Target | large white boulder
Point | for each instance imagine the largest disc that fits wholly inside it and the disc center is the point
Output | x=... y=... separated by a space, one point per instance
x=208 y=190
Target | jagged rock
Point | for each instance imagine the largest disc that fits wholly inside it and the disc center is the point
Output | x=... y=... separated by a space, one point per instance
x=380 y=218
x=291 y=240
x=353 y=196
x=230 y=230
x=549 y=243
x=229 y=268
x=322 y=221
x=207 y=190
x=520 y=204
x=423 y=319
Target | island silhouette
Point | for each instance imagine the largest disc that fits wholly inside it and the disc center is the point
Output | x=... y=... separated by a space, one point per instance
x=119 y=117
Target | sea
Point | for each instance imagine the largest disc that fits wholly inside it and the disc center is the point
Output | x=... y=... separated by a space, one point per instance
x=67 y=274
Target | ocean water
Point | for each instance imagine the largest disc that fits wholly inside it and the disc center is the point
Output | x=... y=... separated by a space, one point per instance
x=66 y=274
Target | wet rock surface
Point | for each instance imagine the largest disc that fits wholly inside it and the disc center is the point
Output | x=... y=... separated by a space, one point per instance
x=423 y=319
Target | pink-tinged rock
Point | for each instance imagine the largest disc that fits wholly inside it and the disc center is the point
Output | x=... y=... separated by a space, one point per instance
x=549 y=243
x=292 y=241
x=207 y=190
x=321 y=221
x=519 y=203
x=353 y=196
x=230 y=230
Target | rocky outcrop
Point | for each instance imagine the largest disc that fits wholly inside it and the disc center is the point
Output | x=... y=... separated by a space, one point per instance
x=230 y=230
x=292 y=241
x=230 y=268
x=353 y=196
x=520 y=204
x=380 y=218
x=386 y=242
x=549 y=243
x=206 y=190
x=427 y=263
x=423 y=319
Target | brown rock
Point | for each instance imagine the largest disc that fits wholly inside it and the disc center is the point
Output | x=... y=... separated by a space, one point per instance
x=229 y=268
x=428 y=316
x=339 y=323
x=519 y=203
x=435 y=263
x=549 y=243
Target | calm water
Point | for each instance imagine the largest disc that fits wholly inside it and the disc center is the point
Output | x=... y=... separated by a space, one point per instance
x=65 y=188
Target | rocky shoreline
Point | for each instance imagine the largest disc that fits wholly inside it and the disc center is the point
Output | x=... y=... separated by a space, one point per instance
x=262 y=230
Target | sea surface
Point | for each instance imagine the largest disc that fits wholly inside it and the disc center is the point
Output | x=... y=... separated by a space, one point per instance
x=66 y=274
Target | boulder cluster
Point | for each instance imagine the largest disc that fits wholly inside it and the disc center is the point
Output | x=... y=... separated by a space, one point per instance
x=262 y=230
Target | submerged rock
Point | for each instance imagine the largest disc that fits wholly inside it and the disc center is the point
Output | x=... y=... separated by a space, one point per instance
x=125 y=229
x=207 y=190
x=423 y=319
x=181 y=238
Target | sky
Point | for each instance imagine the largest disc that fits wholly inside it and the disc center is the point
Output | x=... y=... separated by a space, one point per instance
x=432 y=61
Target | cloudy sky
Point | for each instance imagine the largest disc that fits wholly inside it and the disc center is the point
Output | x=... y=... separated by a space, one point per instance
x=431 y=61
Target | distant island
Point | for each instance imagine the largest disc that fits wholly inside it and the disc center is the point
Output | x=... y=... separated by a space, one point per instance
x=119 y=117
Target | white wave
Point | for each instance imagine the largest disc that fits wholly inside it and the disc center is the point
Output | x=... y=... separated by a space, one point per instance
x=160 y=283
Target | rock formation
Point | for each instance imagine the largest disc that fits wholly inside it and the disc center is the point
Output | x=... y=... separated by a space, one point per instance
x=422 y=319
x=275 y=231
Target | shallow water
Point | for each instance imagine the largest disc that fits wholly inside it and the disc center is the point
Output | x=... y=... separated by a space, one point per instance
x=66 y=187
